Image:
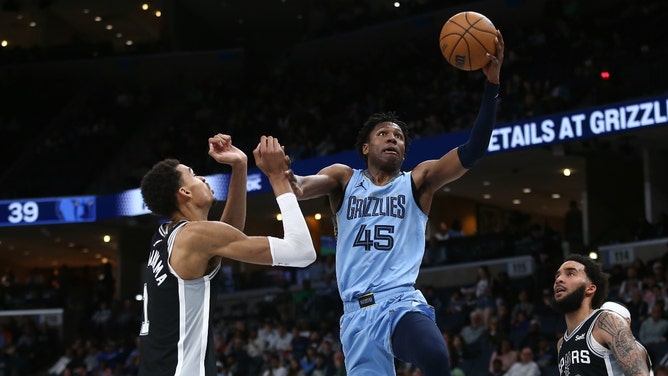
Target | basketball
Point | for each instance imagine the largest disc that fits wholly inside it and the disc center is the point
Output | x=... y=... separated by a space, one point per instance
x=466 y=38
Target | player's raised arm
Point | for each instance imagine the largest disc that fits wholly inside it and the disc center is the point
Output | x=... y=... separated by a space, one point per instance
x=429 y=176
x=222 y=150
x=326 y=181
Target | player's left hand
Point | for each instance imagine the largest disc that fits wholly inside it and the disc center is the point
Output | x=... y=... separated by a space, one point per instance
x=493 y=69
x=222 y=150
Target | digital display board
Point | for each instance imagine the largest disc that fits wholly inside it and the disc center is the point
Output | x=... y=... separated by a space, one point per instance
x=40 y=211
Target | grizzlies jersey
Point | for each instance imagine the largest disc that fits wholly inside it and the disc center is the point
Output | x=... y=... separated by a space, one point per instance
x=174 y=336
x=380 y=236
x=581 y=355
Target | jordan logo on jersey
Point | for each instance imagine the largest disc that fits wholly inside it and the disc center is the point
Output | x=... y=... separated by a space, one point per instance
x=361 y=185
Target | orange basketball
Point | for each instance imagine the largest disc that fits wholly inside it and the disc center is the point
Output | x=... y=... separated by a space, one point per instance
x=465 y=40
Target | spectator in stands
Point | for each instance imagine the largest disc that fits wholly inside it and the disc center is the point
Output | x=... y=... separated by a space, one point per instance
x=474 y=331
x=523 y=304
x=502 y=289
x=307 y=361
x=639 y=310
x=128 y=317
x=101 y=320
x=546 y=353
x=255 y=347
x=494 y=335
x=294 y=368
x=458 y=350
x=503 y=316
x=653 y=329
x=629 y=284
x=339 y=364
x=519 y=328
x=438 y=247
x=525 y=366
x=497 y=368
x=482 y=290
x=276 y=367
x=505 y=353
x=456 y=229
x=654 y=294
x=283 y=341
x=659 y=274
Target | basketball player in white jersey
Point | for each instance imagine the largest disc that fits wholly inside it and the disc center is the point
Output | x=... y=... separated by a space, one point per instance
x=186 y=252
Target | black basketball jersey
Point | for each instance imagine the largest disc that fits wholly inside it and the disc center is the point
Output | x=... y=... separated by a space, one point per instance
x=581 y=355
x=175 y=336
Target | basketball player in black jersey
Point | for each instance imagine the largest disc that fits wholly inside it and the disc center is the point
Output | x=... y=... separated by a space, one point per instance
x=185 y=255
x=596 y=342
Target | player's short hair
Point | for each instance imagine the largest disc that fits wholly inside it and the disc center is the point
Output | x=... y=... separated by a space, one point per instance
x=370 y=124
x=596 y=275
x=159 y=187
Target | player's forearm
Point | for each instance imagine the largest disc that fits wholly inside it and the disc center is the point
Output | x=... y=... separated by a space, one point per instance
x=235 y=206
x=313 y=186
x=476 y=147
x=629 y=356
x=296 y=246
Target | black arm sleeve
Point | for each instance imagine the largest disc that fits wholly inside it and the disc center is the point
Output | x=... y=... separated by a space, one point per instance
x=476 y=147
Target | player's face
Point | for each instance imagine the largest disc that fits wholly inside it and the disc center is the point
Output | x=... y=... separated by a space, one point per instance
x=570 y=284
x=196 y=185
x=386 y=144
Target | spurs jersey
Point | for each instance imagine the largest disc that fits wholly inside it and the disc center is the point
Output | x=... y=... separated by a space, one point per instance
x=380 y=236
x=175 y=338
x=581 y=355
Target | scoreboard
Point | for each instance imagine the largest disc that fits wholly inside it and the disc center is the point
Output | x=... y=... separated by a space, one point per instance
x=40 y=211
x=80 y=209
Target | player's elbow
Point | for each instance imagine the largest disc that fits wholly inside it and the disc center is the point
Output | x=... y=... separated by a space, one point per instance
x=292 y=251
x=308 y=256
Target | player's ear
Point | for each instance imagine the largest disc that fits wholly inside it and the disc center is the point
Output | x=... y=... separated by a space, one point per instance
x=365 y=148
x=591 y=289
x=184 y=191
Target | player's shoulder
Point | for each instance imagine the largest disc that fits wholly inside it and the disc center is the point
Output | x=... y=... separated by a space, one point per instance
x=606 y=317
x=338 y=171
x=608 y=324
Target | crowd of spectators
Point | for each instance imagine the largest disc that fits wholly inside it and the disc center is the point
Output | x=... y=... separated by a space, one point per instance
x=495 y=326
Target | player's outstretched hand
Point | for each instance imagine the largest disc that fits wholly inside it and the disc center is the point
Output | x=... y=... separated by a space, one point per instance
x=295 y=183
x=222 y=150
x=270 y=157
x=493 y=69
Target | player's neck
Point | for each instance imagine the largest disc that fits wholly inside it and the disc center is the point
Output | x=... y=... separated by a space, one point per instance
x=573 y=319
x=380 y=177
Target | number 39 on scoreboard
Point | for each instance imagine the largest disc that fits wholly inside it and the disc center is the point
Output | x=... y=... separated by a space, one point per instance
x=47 y=211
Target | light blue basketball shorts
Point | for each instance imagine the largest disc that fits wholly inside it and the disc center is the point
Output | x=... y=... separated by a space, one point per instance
x=366 y=333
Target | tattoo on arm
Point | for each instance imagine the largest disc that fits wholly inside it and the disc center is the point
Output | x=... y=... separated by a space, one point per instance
x=623 y=345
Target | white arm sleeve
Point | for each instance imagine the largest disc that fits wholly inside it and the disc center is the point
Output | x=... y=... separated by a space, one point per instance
x=296 y=247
